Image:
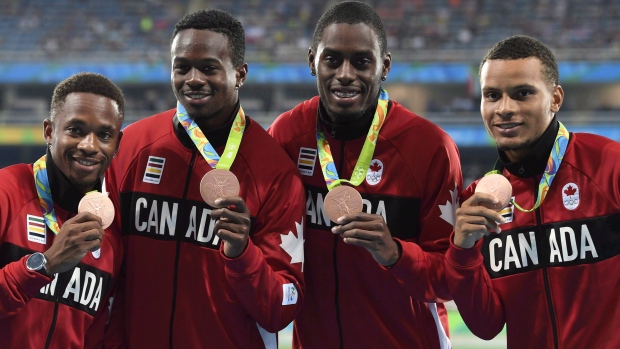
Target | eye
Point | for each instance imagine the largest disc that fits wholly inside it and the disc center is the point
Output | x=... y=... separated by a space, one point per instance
x=180 y=68
x=74 y=130
x=332 y=61
x=524 y=93
x=492 y=96
x=106 y=136
x=363 y=62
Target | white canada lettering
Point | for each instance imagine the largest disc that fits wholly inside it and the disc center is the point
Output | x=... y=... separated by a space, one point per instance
x=586 y=243
x=517 y=251
x=198 y=233
x=161 y=221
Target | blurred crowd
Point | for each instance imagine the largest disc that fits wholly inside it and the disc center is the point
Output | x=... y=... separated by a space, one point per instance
x=281 y=30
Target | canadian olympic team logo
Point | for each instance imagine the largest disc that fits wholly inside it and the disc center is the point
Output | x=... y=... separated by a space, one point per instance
x=570 y=196
x=375 y=172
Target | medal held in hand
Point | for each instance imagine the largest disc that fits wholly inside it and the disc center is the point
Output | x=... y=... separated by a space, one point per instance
x=98 y=204
x=219 y=182
x=498 y=186
x=341 y=199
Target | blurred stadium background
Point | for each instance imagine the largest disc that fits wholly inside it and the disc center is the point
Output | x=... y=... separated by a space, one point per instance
x=436 y=47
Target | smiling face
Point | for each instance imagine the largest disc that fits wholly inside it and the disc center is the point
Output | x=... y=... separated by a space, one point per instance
x=518 y=103
x=84 y=136
x=203 y=76
x=349 y=67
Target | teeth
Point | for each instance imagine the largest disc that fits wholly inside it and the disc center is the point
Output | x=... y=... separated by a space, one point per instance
x=86 y=163
x=195 y=96
x=345 y=94
x=507 y=126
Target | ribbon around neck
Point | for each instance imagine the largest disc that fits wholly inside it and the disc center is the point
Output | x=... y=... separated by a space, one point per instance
x=363 y=162
x=204 y=146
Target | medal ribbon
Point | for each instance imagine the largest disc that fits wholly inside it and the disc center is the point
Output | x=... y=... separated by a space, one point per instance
x=204 y=146
x=41 y=181
x=553 y=164
x=363 y=162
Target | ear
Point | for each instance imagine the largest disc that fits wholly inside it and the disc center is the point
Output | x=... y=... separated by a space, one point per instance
x=311 y=61
x=118 y=142
x=242 y=74
x=557 y=97
x=48 y=129
x=387 y=65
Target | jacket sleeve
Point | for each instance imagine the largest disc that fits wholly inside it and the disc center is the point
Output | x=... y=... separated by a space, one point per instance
x=420 y=270
x=472 y=290
x=18 y=286
x=267 y=276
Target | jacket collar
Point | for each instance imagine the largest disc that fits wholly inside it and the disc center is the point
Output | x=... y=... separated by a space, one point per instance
x=64 y=193
x=217 y=137
x=535 y=162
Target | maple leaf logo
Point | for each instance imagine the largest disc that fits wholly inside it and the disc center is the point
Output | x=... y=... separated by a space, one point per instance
x=294 y=245
x=448 y=211
x=570 y=191
x=375 y=167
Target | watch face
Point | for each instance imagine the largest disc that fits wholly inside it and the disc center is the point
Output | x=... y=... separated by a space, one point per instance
x=35 y=261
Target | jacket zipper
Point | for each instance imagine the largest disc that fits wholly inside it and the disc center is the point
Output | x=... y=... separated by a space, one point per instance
x=335 y=256
x=56 y=303
x=177 y=252
x=54 y=318
x=541 y=233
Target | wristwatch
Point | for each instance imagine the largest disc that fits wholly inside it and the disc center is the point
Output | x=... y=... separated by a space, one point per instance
x=36 y=261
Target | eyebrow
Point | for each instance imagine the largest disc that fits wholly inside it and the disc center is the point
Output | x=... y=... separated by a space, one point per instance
x=75 y=122
x=328 y=50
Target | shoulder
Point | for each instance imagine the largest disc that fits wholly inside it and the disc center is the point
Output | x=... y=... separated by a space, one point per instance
x=17 y=183
x=404 y=127
x=591 y=147
x=260 y=149
x=296 y=122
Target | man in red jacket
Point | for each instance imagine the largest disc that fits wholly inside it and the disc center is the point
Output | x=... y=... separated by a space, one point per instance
x=382 y=183
x=551 y=270
x=57 y=265
x=212 y=208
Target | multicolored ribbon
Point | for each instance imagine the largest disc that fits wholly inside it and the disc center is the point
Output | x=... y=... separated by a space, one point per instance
x=41 y=181
x=204 y=146
x=553 y=164
x=361 y=167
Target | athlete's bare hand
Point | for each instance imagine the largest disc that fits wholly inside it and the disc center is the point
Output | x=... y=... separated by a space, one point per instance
x=233 y=225
x=371 y=232
x=474 y=221
x=76 y=237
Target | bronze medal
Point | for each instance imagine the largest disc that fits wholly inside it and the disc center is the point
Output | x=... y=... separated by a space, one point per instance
x=342 y=200
x=498 y=186
x=217 y=184
x=100 y=205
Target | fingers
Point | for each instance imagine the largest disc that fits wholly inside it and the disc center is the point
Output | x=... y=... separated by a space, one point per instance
x=84 y=217
x=234 y=203
x=480 y=198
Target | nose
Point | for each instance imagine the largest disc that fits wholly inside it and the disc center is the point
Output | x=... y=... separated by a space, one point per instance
x=195 y=78
x=88 y=144
x=506 y=107
x=345 y=72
